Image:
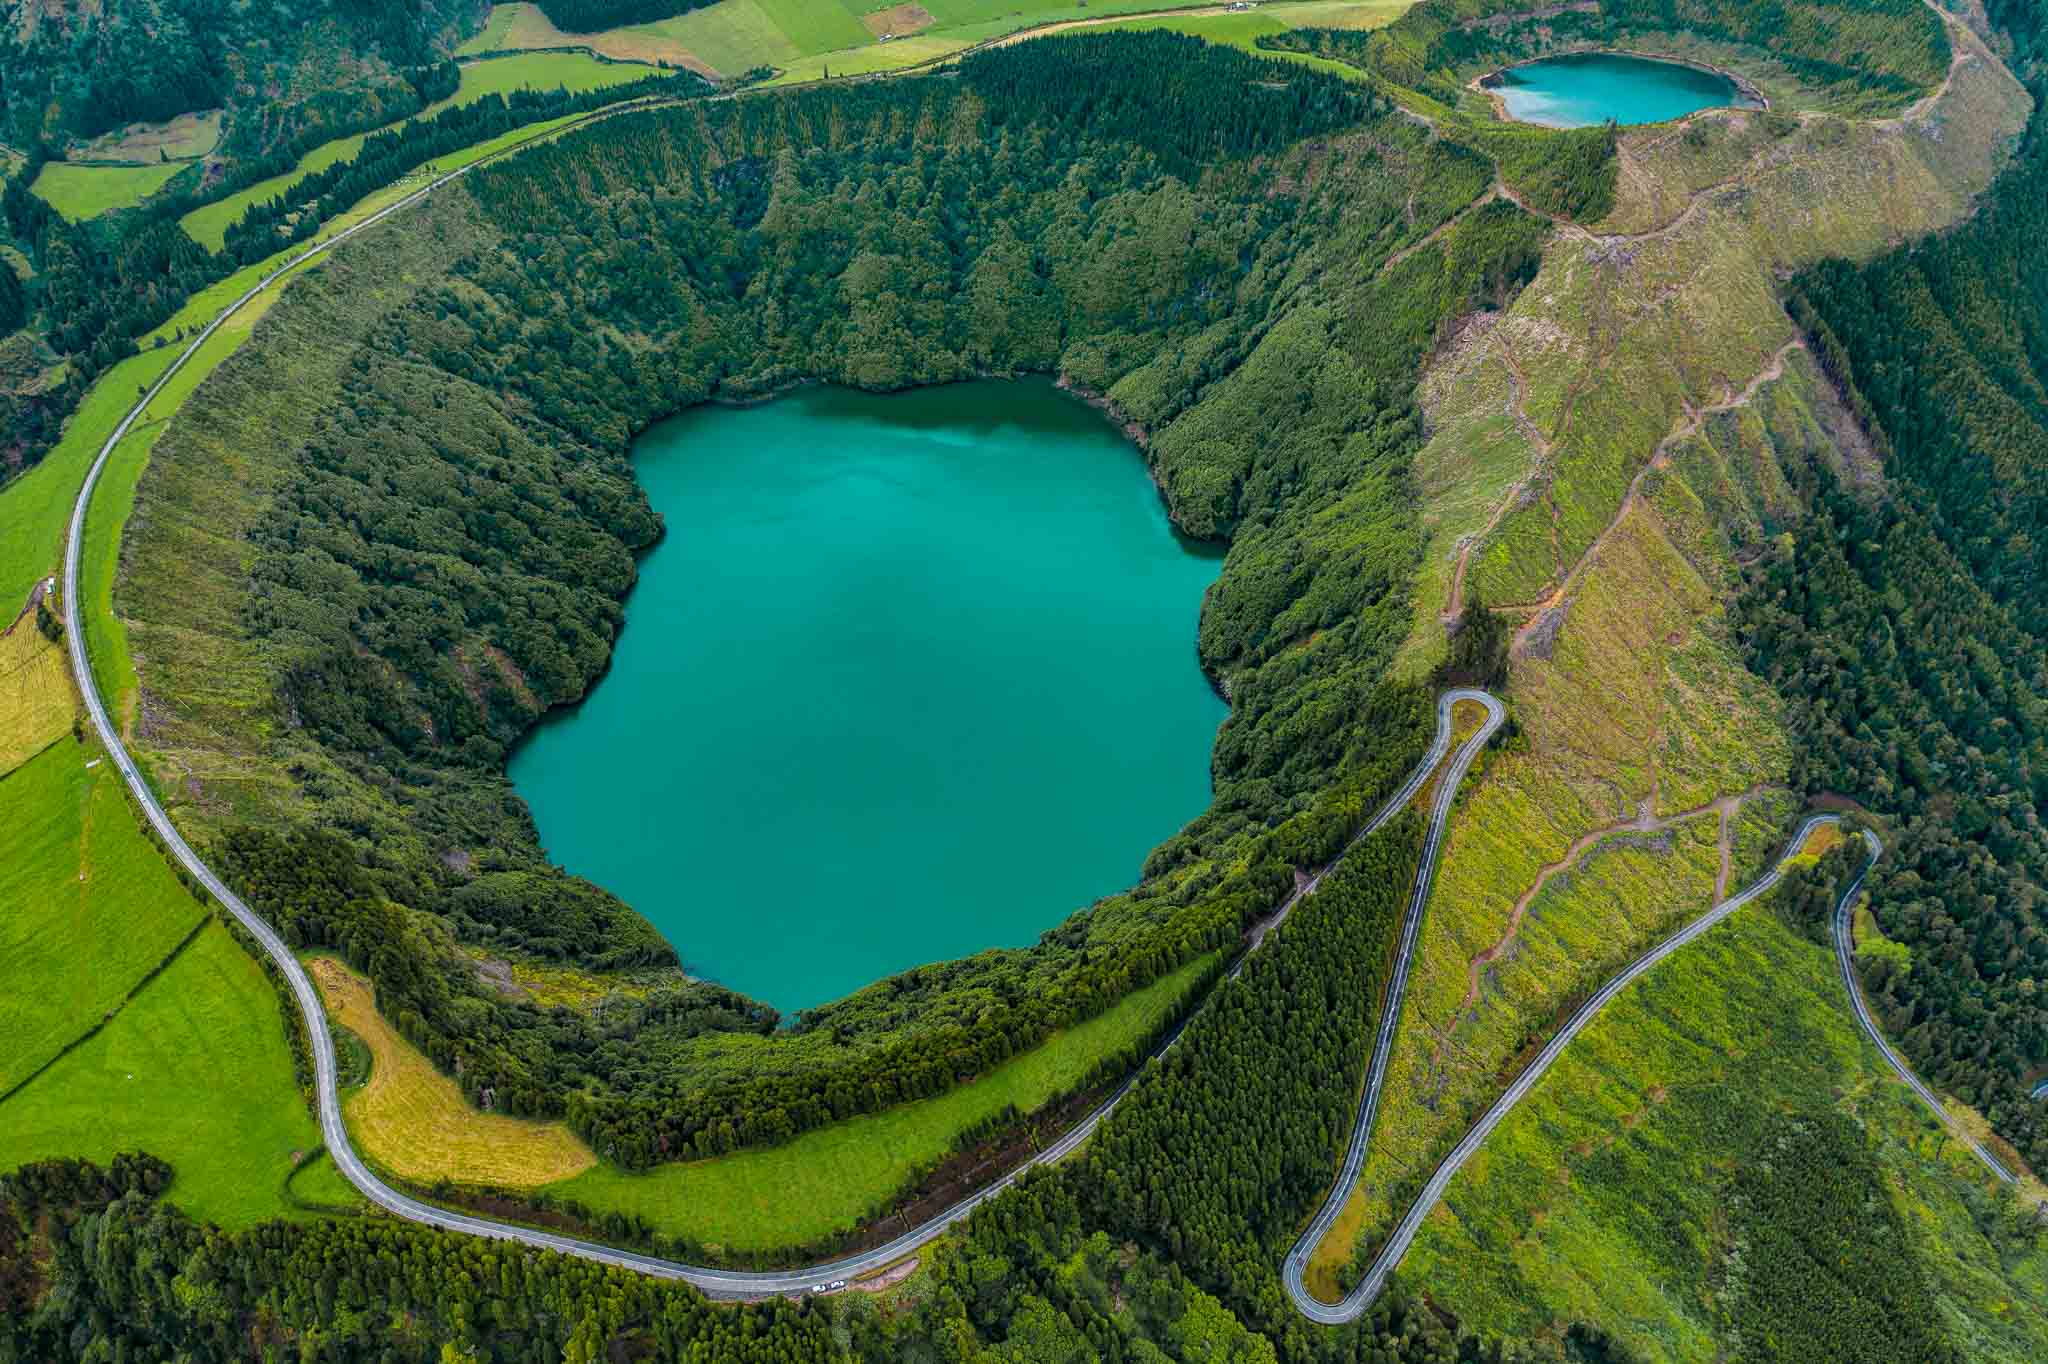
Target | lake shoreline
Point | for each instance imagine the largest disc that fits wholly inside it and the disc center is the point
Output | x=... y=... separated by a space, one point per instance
x=1488 y=83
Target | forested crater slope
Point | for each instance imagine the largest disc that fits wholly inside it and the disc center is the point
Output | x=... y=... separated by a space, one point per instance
x=401 y=525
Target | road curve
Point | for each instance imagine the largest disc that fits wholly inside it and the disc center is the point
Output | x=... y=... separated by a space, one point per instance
x=1360 y=1298
x=721 y=1283
x=1845 y=950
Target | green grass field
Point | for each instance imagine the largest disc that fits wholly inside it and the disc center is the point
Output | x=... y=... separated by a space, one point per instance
x=81 y=192
x=195 y=1070
x=571 y=71
x=828 y=1180
x=91 y=906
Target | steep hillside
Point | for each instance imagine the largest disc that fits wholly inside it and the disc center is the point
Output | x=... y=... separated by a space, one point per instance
x=1603 y=456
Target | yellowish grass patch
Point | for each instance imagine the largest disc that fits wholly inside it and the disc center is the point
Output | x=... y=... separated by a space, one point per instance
x=413 y=1120
x=37 y=702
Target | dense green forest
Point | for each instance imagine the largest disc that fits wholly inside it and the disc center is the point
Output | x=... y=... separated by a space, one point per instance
x=1103 y=207
x=1858 y=55
x=1908 y=632
x=82 y=70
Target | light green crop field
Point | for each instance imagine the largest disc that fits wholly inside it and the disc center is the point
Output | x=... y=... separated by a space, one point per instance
x=81 y=192
x=196 y=1070
x=89 y=905
x=1601 y=1198
x=827 y=1181
x=572 y=71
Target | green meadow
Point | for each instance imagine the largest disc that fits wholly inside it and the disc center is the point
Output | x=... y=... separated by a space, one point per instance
x=828 y=1180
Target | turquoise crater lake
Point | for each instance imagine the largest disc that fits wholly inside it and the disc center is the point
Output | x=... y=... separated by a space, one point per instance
x=1586 y=88
x=908 y=677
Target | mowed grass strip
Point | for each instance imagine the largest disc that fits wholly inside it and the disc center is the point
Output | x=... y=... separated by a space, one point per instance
x=827 y=1181
x=195 y=1069
x=36 y=701
x=87 y=906
x=415 y=1122
x=81 y=192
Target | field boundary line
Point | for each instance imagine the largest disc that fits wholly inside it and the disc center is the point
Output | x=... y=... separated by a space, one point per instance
x=110 y=1015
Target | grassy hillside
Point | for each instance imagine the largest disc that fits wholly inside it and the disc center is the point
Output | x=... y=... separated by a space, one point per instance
x=1615 y=1195
x=1602 y=454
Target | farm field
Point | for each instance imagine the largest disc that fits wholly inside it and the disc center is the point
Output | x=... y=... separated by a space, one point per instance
x=829 y=1179
x=416 y=1123
x=805 y=40
x=81 y=192
x=572 y=71
x=91 y=905
x=194 y=1069
x=36 y=699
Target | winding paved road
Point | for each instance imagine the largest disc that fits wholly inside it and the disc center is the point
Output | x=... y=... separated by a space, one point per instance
x=736 y=1284
x=1355 y=1303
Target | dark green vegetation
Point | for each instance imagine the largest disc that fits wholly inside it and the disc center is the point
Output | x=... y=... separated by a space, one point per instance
x=594 y=16
x=425 y=590
x=1823 y=1267
x=100 y=285
x=1230 y=1139
x=1859 y=55
x=1908 y=632
x=76 y=71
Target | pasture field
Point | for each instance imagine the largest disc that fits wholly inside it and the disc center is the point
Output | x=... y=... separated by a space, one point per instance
x=572 y=71
x=1601 y=1198
x=181 y=139
x=416 y=1123
x=90 y=906
x=830 y=1179
x=36 y=700
x=805 y=39
x=196 y=1070
x=81 y=192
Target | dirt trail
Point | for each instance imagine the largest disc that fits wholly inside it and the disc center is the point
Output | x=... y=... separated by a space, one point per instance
x=1687 y=425
x=1644 y=821
x=1518 y=409
x=1445 y=226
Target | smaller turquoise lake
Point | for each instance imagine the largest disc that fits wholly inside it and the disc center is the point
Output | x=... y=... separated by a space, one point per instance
x=1587 y=88
x=909 y=677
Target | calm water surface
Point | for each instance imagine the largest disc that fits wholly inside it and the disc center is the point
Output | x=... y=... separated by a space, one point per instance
x=1587 y=88
x=909 y=677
